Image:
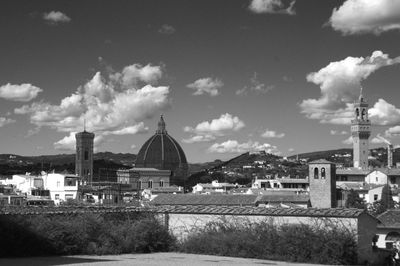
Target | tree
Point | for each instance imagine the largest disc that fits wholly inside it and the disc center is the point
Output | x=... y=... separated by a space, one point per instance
x=354 y=201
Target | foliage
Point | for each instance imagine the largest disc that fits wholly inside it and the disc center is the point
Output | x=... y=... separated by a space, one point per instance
x=87 y=233
x=354 y=201
x=384 y=204
x=327 y=244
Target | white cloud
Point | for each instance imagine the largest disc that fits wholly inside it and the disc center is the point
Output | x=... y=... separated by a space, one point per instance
x=19 y=93
x=384 y=113
x=291 y=150
x=393 y=131
x=340 y=84
x=133 y=147
x=348 y=141
x=55 y=17
x=336 y=132
x=167 y=29
x=366 y=16
x=107 y=105
x=272 y=134
x=68 y=143
x=272 y=7
x=199 y=138
x=206 y=86
x=226 y=122
x=233 y=146
x=133 y=75
x=5 y=121
x=377 y=140
x=208 y=131
x=255 y=86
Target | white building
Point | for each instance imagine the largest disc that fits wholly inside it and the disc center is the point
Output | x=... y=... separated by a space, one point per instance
x=215 y=186
x=62 y=187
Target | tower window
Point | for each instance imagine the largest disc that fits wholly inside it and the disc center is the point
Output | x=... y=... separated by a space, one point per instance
x=316 y=173
x=323 y=176
x=86 y=155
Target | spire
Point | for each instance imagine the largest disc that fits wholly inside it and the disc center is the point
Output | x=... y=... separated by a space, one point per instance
x=361 y=98
x=161 y=125
x=84 y=124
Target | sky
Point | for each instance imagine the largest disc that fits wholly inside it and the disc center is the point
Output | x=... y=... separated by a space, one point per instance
x=228 y=76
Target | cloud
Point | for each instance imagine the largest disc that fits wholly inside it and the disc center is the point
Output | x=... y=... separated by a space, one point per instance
x=134 y=75
x=107 y=104
x=348 y=141
x=336 y=132
x=19 y=93
x=255 y=86
x=366 y=16
x=133 y=147
x=68 y=143
x=5 y=121
x=209 y=131
x=206 y=86
x=272 y=134
x=56 y=17
x=200 y=138
x=167 y=29
x=377 y=140
x=393 y=131
x=233 y=146
x=291 y=150
x=340 y=84
x=272 y=7
x=384 y=114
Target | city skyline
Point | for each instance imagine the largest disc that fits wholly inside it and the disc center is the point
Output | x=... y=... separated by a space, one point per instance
x=229 y=76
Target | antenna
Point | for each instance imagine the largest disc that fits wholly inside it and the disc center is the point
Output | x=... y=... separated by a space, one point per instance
x=84 y=124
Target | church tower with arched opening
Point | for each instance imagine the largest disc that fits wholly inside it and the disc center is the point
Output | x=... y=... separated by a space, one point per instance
x=360 y=131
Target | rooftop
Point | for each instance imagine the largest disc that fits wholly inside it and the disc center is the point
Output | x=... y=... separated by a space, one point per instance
x=352 y=171
x=321 y=161
x=390 y=218
x=212 y=199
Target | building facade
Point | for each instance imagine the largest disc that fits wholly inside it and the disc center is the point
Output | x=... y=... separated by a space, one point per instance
x=144 y=178
x=360 y=131
x=84 y=155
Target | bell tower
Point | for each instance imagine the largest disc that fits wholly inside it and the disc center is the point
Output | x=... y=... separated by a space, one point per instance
x=360 y=131
x=84 y=155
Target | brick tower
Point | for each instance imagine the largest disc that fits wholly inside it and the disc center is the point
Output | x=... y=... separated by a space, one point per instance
x=84 y=155
x=360 y=131
x=322 y=176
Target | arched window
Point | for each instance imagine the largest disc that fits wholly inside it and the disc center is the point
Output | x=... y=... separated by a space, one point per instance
x=316 y=173
x=150 y=184
x=161 y=183
x=323 y=176
x=363 y=114
x=86 y=155
x=357 y=113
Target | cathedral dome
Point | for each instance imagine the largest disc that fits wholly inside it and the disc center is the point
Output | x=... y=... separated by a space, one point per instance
x=163 y=152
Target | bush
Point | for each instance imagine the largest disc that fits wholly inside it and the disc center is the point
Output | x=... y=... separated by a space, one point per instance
x=82 y=234
x=326 y=244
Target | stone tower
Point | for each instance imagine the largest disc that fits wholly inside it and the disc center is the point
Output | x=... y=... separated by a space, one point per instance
x=322 y=176
x=360 y=131
x=84 y=155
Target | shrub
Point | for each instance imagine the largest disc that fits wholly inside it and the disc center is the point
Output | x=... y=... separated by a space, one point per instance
x=88 y=233
x=327 y=244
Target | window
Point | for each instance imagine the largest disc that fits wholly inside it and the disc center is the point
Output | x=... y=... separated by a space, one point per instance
x=323 y=173
x=377 y=179
x=393 y=180
x=150 y=184
x=86 y=155
x=140 y=184
x=69 y=196
x=316 y=173
x=57 y=196
x=375 y=197
x=58 y=183
x=161 y=183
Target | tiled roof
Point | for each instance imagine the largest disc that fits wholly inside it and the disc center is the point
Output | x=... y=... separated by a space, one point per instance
x=290 y=198
x=293 y=180
x=216 y=210
x=358 y=186
x=352 y=171
x=236 y=210
x=390 y=218
x=321 y=161
x=212 y=199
